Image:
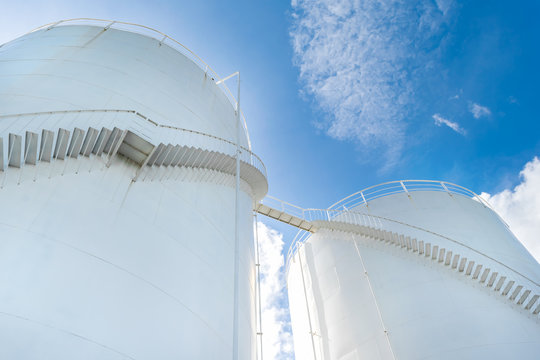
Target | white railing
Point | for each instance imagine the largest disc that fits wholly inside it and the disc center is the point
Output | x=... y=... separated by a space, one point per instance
x=159 y=36
x=382 y=223
x=363 y=197
x=299 y=240
x=284 y=206
x=314 y=215
x=125 y=120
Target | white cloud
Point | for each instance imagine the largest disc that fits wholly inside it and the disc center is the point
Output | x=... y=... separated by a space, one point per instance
x=277 y=337
x=478 y=110
x=520 y=207
x=512 y=100
x=440 y=121
x=359 y=60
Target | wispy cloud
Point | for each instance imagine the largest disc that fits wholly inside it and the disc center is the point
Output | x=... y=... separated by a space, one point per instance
x=479 y=111
x=520 y=207
x=359 y=60
x=513 y=100
x=277 y=336
x=440 y=121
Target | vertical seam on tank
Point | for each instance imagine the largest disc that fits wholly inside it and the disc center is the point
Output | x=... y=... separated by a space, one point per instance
x=307 y=304
x=374 y=297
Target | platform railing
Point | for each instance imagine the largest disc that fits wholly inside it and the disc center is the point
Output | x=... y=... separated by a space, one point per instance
x=125 y=120
x=363 y=197
x=159 y=36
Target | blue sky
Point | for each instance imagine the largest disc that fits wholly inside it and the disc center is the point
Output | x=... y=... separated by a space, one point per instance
x=342 y=95
x=429 y=58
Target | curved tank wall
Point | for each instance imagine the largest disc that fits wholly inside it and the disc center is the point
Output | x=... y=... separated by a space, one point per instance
x=103 y=256
x=367 y=293
x=73 y=67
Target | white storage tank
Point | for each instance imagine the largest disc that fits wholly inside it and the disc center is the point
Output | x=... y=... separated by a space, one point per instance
x=119 y=201
x=413 y=270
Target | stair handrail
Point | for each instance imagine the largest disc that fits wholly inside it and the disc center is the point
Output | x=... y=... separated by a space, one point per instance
x=246 y=154
x=376 y=222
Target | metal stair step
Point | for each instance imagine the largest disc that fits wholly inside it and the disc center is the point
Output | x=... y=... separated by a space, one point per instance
x=101 y=141
x=46 y=146
x=14 y=150
x=469 y=268
x=462 y=264
x=30 y=148
x=89 y=141
x=477 y=271
x=484 y=275
x=435 y=252
x=173 y=155
x=111 y=143
x=499 y=283
x=516 y=292
x=155 y=154
x=455 y=261
x=523 y=297
x=61 y=144
x=428 y=249
x=76 y=143
x=531 y=302
x=448 y=258
x=441 y=254
x=408 y=243
x=492 y=279
x=164 y=154
x=507 y=288
x=401 y=241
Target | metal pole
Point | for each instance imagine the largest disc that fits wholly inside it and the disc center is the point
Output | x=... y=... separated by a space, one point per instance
x=237 y=226
x=258 y=267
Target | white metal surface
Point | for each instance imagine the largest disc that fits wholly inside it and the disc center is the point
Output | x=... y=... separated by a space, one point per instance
x=161 y=79
x=157 y=35
x=429 y=274
x=118 y=194
x=191 y=148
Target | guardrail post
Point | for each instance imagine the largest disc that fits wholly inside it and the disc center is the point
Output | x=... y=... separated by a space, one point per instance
x=363 y=198
x=165 y=38
x=53 y=25
x=445 y=188
x=404 y=188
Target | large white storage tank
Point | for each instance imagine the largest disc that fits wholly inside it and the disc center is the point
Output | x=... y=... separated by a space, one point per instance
x=413 y=270
x=119 y=200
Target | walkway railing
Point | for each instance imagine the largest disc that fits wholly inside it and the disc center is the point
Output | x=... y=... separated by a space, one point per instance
x=124 y=119
x=157 y=35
